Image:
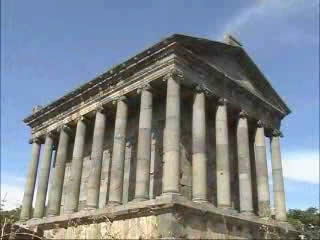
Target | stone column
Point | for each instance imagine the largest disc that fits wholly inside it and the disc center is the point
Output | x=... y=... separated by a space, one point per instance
x=39 y=208
x=55 y=193
x=199 y=152
x=245 y=185
x=105 y=172
x=76 y=166
x=222 y=156
x=261 y=171
x=96 y=159
x=127 y=172
x=118 y=156
x=30 y=181
x=277 y=177
x=144 y=145
x=153 y=166
x=171 y=137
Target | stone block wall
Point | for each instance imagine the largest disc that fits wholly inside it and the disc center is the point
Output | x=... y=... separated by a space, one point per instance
x=178 y=223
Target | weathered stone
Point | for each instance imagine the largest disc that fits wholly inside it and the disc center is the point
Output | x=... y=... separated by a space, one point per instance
x=76 y=168
x=245 y=185
x=199 y=152
x=44 y=178
x=262 y=173
x=55 y=193
x=118 y=153
x=171 y=139
x=277 y=177
x=30 y=181
x=96 y=158
x=222 y=157
x=144 y=146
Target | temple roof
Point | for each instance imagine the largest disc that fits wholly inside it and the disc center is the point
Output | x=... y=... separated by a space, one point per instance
x=230 y=59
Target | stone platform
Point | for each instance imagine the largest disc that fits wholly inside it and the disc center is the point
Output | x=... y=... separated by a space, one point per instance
x=165 y=217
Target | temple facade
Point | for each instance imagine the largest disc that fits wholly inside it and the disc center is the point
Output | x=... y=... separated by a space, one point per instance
x=173 y=140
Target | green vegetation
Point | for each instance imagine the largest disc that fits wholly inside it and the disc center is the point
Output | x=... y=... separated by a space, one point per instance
x=306 y=221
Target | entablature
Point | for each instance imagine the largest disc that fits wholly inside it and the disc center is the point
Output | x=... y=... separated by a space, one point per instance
x=196 y=71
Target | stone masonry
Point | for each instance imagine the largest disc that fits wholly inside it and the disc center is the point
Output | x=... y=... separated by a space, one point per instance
x=171 y=143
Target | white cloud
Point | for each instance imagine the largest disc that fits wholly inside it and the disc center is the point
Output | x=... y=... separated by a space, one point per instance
x=273 y=19
x=301 y=166
x=11 y=195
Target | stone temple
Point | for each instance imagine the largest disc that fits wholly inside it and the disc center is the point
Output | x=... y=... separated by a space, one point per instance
x=169 y=144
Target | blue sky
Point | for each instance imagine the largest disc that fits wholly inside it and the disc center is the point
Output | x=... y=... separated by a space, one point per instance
x=51 y=47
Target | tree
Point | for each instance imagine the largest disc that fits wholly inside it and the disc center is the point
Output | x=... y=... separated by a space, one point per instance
x=306 y=221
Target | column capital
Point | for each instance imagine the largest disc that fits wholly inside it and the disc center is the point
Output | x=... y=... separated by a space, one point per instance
x=65 y=128
x=277 y=133
x=145 y=87
x=122 y=98
x=100 y=108
x=201 y=89
x=243 y=114
x=174 y=74
x=222 y=101
x=108 y=151
x=83 y=119
x=261 y=124
x=35 y=140
x=52 y=135
x=130 y=142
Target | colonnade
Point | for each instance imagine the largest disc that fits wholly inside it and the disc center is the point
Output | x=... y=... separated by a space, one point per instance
x=171 y=158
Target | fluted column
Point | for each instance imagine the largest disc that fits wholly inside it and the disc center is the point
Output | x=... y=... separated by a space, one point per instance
x=30 y=181
x=244 y=168
x=222 y=156
x=55 y=193
x=144 y=145
x=277 y=177
x=119 y=144
x=261 y=171
x=199 y=152
x=44 y=177
x=76 y=167
x=96 y=159
x=171 y=138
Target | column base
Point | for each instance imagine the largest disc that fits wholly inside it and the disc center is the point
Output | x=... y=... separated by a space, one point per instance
x=113 y=203
x=38 y=217
x=167 y=193
x=229 y=210
x=88 y=208
x=24 y=219
x=200 y=200
x=247 y=213
x=69 y=211
x=140 y=199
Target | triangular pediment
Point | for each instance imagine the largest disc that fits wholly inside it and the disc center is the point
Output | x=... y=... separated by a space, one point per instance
x=235 y=64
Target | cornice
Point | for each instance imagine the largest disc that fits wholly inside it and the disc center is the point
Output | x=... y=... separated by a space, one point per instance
x=109 y=79
x=143 y=70
x=142 y=78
